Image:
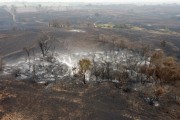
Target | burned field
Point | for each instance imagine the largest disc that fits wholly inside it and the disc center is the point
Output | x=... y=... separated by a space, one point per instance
x=73 y=100
x=89 y=62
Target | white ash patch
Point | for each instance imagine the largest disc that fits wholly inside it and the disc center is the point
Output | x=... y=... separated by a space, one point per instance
x=78 y=31
x=63 y=65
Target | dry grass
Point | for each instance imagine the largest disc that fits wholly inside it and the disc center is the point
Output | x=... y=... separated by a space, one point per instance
x=14 y=116
x=163 y=68
x=5 y=94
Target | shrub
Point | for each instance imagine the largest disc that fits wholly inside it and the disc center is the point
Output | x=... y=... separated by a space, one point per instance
x=163 y=68
x=169 y=61
x=158 y=92
x=16 y=72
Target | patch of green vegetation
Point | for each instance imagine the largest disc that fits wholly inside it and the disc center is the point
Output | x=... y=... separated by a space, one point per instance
x=105 y=25
x=110 y=25
x=122 y=26
x=166 y=30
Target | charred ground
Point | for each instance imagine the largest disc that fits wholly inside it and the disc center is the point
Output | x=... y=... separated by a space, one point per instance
x=89 y=28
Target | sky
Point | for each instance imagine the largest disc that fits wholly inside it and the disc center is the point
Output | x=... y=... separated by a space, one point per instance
x=101 y=1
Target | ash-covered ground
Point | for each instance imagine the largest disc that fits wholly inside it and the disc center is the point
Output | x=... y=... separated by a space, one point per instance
x=89 y=62
x=56 y=90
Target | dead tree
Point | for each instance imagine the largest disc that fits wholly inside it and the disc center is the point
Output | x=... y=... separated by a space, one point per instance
x=13 y=12
x=1 y=65
x=163 y=43
x=27 y=50
x=45 y=42
x=34 y=65
x=106 y=66
x=94 y=65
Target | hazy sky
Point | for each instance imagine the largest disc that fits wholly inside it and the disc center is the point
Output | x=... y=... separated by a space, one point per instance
x=119 y=1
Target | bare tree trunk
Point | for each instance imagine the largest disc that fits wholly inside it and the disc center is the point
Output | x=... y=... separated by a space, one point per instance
x=34 y=66
x=84 y=78
x=1 y=64
x=27 y=50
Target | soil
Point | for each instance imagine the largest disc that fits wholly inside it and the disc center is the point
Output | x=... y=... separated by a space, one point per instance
x=73 y=100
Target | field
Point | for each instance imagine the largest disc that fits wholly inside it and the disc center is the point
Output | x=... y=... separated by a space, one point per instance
x=85 y=61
